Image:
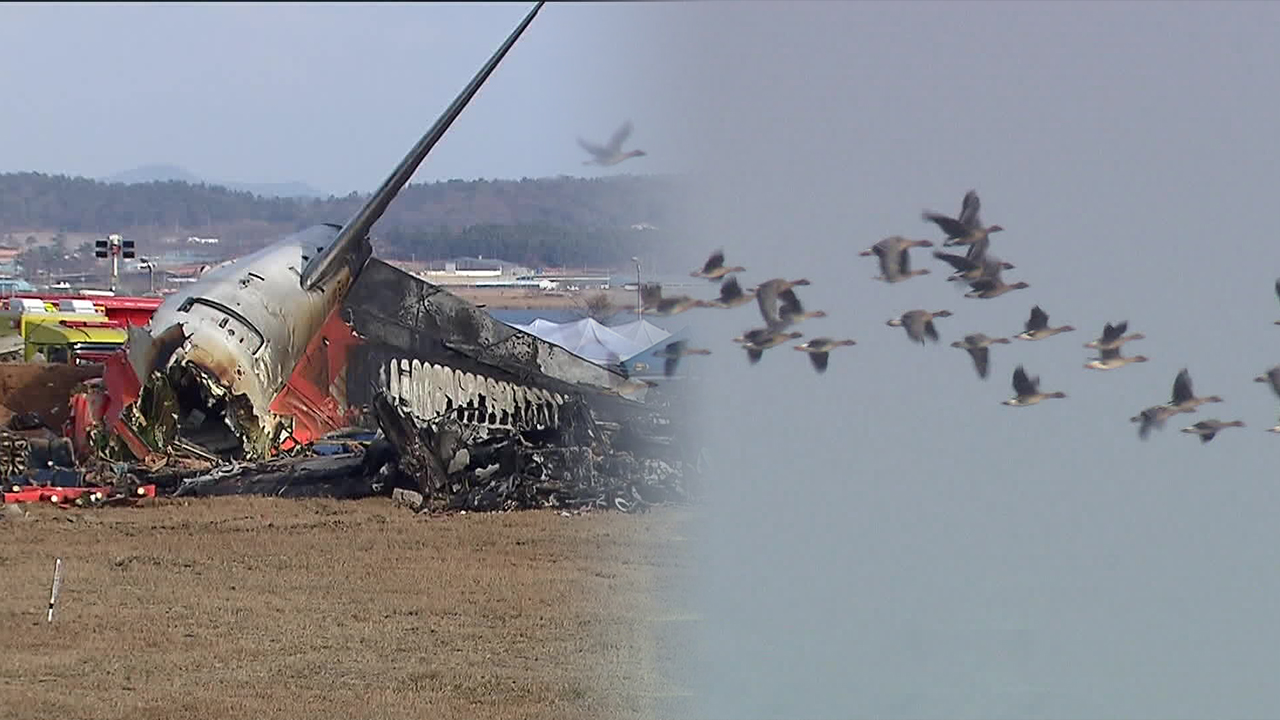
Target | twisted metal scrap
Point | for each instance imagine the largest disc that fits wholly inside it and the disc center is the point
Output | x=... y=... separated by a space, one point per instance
x=573 y=479
x=502 y=471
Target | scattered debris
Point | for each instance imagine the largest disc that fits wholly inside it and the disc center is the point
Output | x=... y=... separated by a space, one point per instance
x=13 y=453
x=408 y=498
x=336 y=476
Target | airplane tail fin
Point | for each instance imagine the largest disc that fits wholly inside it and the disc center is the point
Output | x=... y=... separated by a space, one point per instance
x=356 y=230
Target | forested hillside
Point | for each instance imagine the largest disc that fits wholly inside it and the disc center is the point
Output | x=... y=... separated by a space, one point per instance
x=562 y=220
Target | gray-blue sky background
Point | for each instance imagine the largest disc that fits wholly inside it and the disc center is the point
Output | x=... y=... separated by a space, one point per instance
x=331 y=94
x=889 y=540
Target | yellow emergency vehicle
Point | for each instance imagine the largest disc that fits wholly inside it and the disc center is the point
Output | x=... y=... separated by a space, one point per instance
x=72 y=332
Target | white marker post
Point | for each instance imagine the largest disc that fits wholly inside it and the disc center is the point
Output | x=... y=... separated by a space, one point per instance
x=57 y=585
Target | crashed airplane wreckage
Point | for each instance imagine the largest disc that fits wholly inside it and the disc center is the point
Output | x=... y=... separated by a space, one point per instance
x=267 y=354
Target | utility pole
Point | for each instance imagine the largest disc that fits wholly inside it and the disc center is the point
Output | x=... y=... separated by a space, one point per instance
x=639 y=302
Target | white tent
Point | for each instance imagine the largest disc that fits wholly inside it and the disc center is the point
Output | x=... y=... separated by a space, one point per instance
x=593 y=341
x=642 y=332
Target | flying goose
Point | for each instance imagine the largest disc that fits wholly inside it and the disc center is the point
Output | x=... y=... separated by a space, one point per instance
x=757 y=341
x=673 y=351
x=1037 y=327
x=714 y=269
x=895 y=261
x=1110 y=359
x=893 y=244
x=989 y=284
x=1027 y=390
x=667 y=307
x=919 y=324
x=968 y=268
x=611 y=154
x=819 y=350
x=1113 y=336
x=1153 y=417
x=653 y=303
x=1271 y=376
x=965 y=229
x=977 y=345
x=760 y=336
x=768 y=294
x=1206 y=429
x=1183 y=399
x=731 y=294
x=791 y=311
x=896 y=267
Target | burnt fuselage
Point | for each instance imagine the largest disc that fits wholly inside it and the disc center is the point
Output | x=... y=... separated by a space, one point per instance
x=247 y=322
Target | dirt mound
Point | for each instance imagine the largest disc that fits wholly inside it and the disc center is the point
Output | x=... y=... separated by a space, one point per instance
x=41 y=388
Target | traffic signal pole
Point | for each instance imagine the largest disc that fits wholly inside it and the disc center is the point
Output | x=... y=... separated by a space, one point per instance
x=114 y=246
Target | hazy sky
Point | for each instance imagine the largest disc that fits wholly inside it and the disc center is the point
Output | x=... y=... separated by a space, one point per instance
x=888 y=540
x=331 y=94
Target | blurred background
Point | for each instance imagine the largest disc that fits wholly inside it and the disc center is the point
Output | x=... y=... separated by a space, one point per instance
x=887 y=539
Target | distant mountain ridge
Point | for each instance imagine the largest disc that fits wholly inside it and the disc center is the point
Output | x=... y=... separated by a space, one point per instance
x=163 y=173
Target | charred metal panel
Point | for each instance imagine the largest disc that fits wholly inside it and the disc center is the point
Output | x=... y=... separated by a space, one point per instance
x=418 y=320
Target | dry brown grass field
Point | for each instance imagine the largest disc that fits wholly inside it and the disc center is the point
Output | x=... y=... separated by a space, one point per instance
x=252 y=607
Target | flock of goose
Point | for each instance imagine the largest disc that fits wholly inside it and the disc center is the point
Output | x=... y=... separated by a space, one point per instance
x=781 y=309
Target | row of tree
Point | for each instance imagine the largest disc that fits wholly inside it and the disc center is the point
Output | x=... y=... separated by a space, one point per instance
x=532 y=245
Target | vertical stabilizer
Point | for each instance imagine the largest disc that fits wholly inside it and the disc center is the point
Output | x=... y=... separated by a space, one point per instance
x=357 y=228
